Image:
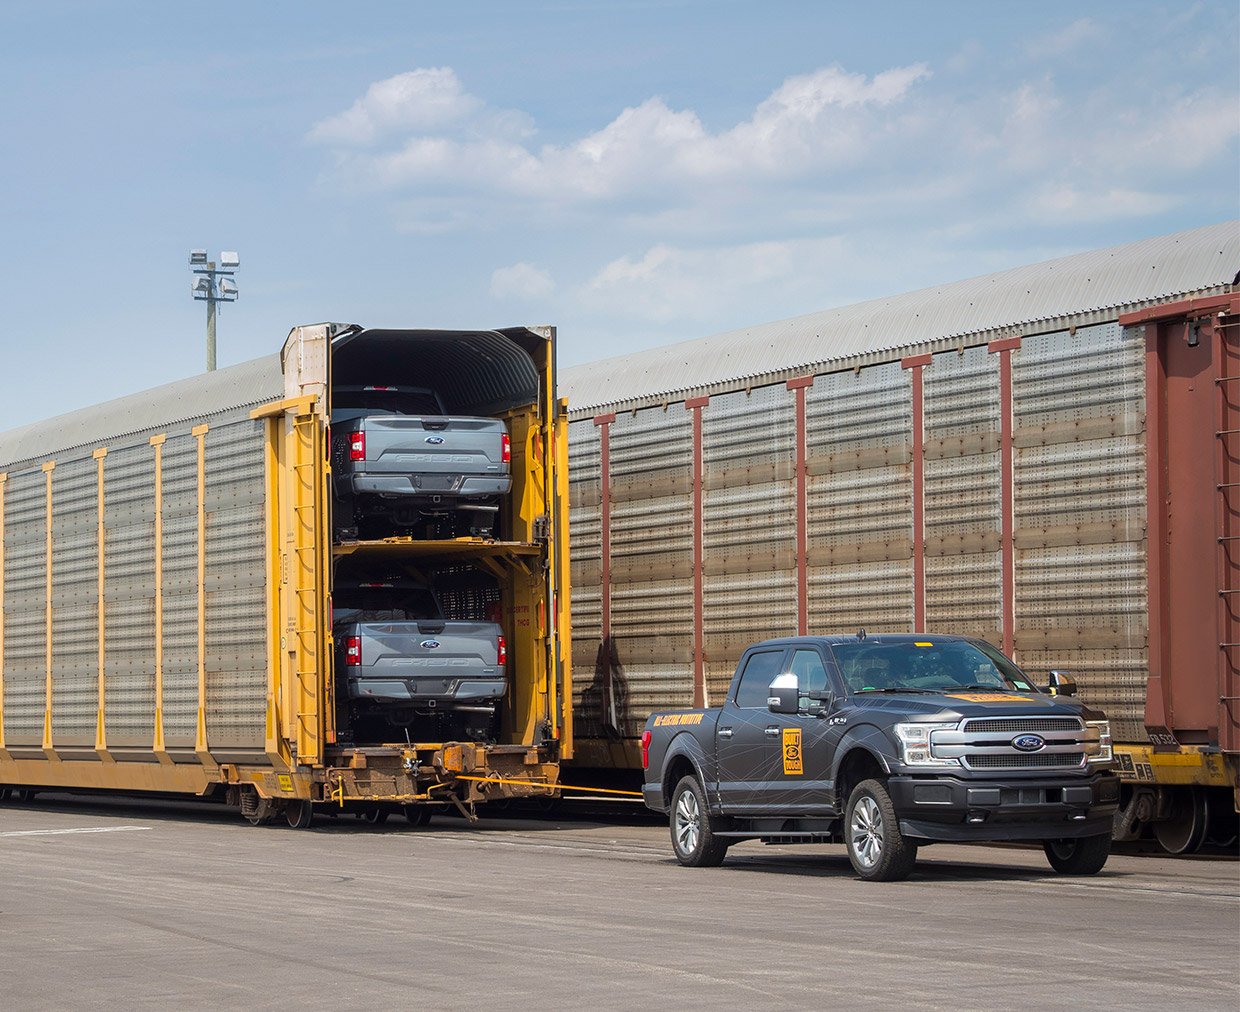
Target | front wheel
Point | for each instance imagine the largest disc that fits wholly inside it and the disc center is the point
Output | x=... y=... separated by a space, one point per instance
x=879 y=852
x=693 y=842
x=299 y=814
x=1083 y=856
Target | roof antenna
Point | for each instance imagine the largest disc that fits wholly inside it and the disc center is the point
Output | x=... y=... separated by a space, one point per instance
x=860 y=634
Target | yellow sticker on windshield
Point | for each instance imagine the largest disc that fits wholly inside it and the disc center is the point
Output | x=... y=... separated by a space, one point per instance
x=987 y=697
x=792 y=752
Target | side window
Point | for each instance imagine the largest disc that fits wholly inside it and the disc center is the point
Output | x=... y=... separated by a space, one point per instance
x=811 y=673
x=760 y=671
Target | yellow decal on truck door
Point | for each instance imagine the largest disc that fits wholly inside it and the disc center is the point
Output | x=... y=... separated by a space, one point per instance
x=792 y=752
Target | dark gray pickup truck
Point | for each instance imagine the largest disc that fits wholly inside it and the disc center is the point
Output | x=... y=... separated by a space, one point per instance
x=401 y=663
x=401 y=463
x=885 y=743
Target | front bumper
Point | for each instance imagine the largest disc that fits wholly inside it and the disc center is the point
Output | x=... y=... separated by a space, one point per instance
x=954 y=809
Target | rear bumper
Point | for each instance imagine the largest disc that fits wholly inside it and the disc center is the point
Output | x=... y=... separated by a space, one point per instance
x=952 y=809
x=652 y=795
x=431 y=488
x=429 y=692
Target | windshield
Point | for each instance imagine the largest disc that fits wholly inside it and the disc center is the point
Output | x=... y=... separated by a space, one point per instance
x=926 y=665
x=384 y=604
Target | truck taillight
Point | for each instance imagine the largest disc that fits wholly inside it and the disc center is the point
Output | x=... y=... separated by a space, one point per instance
x=645 y=750
x=501 y=650
x=505 y=448
x=357 y=446
x=353 y=650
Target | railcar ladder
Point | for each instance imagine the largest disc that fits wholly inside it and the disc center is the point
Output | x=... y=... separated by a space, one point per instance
x=307 y=557
x=1227 y=525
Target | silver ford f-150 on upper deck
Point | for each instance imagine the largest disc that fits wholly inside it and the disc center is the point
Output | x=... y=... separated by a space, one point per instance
x=402 y=464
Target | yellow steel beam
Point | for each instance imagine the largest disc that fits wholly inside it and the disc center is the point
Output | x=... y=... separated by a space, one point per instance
x=275 y=409
x=562 y=596
x=201 y=745
x=178 y=778
x=157 y=744
x=48 y=747
x=101 y=729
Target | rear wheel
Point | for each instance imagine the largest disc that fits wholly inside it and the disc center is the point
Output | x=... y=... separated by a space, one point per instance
x=1083 y=856
x=879 y=852
x=693 y=841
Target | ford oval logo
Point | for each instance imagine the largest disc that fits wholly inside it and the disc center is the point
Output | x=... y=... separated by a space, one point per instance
x=434 y=440
x=434 y=645
x=1028 y=742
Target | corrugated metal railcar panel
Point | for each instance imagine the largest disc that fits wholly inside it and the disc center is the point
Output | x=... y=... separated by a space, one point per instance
x=1080 y=515
x=585 y=523
x=963 y=484
x=75 y=603
x=25 y=604
x=180 y=590
x=651 y=622
x=748 y=523
x=236 y=604
x=859 y=494
x=129 y=595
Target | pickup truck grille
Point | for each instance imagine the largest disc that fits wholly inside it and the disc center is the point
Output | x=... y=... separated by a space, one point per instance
x=986 y=743
x=1056 y=760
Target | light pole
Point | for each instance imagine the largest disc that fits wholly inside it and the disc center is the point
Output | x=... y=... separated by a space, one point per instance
x=213 y=284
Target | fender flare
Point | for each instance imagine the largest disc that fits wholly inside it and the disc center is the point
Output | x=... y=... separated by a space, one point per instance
x=869 y=738
x=686 y=746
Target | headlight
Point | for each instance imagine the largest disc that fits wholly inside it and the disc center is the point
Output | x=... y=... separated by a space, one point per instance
x=915 y=744
x=1105 y=754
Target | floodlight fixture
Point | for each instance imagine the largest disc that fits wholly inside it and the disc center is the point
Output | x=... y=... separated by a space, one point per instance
x=212 y=284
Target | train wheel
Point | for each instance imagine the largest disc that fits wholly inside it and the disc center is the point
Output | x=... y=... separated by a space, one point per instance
x=257 y=811
x=418 y=815
x=299 y=814
x=376 y=815
x=1186 y=825
x=5 y=794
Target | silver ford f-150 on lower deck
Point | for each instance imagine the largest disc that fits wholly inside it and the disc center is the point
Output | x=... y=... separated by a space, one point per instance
x=402 y=665
x=401 y=464
x=887 y=743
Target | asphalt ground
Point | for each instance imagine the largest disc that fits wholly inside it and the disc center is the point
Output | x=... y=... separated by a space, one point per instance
x=157 y=905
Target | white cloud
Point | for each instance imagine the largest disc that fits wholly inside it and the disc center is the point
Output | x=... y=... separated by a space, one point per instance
x=810 y=122
x=1069 y=204
x=417 y=100
x=521 y=281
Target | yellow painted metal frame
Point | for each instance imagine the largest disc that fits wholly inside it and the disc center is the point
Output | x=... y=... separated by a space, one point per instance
x=48 y=749
x=101 y=730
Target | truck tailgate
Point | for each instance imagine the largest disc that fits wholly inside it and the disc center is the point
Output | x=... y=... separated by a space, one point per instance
x=435 y=446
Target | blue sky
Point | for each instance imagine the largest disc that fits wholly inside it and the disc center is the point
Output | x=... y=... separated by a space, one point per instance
x=635 y=172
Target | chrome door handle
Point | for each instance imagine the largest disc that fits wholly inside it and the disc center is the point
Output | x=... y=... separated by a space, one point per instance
x=725 y=732
x=772 y=732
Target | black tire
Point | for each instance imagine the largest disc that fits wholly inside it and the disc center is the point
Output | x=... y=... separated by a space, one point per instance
x=879 y=852
x=299 y=814
x=1083 y=856
x=418 y=815
x=693 y=841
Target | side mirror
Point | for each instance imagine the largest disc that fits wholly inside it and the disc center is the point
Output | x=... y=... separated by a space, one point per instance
x=1061 y=684
x=783 y=694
